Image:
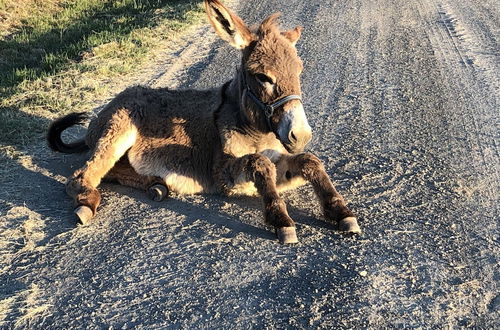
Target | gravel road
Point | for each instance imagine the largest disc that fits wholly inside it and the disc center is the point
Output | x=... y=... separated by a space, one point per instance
x=403 y=100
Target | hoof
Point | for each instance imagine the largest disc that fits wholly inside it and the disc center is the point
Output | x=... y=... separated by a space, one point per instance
x=157 y=192
x=84 y=214
x=349 y=225
x=287 y=235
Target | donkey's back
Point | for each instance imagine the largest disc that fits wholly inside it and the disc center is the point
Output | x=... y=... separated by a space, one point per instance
x=174 y=134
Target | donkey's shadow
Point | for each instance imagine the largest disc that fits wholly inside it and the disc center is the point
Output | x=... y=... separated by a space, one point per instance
x=222 y=211
x=216 y=213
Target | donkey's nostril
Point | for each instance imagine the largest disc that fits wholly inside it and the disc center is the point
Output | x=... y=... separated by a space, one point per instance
x=292 y=137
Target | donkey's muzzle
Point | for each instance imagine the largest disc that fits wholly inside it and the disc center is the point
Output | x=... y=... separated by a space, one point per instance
x=298 y=140
x=293 y=129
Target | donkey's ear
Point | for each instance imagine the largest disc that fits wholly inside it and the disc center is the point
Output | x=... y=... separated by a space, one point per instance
x=228 y=25
x=293 y=35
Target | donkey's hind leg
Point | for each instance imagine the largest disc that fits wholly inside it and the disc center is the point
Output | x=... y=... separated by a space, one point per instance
x=124 y=174
x=118 y=136
x=310 y=168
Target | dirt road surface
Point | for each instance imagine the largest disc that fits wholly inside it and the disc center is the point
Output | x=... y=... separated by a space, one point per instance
x=403 y=100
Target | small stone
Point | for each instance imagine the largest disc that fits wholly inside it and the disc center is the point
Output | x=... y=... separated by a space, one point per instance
x=363 y=273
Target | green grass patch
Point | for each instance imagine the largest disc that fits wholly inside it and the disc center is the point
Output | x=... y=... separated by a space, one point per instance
x=60 y=55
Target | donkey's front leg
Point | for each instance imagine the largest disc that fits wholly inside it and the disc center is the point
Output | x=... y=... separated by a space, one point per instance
x=261 y=171
x=334 y=207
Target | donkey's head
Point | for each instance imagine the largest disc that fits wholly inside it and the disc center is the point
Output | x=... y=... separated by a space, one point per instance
x=269 y=75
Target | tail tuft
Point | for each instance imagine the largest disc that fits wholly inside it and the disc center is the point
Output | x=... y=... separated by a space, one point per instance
x=58 y=126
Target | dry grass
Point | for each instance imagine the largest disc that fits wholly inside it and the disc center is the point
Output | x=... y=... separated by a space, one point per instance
x=14 y=12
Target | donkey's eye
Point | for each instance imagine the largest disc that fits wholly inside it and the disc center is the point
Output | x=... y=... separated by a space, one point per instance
x=264 y=78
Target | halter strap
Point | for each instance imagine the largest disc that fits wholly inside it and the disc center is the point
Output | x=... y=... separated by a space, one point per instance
x=268 y=108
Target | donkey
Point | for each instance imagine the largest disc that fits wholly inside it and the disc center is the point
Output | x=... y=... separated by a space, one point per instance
x=246 y=137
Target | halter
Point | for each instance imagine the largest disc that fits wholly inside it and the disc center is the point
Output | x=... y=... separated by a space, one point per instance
x=267 y=108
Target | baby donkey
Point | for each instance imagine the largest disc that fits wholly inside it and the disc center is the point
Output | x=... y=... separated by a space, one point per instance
x=245 y=137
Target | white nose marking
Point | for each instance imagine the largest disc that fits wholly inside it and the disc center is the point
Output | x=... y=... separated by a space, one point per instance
x=294 y=120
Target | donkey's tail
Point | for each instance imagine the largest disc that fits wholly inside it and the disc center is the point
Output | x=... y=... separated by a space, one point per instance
x=59 y=125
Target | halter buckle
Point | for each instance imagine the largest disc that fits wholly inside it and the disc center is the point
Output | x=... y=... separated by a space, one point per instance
x=269 y=110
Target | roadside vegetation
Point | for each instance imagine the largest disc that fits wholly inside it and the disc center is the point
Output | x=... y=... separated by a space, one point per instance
x=59 y=56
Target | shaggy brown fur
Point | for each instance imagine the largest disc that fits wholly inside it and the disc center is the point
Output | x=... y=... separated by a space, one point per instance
x=211 y=141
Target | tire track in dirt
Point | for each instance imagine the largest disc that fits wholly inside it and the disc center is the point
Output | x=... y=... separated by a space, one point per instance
x=395 y=115
x=479 y=68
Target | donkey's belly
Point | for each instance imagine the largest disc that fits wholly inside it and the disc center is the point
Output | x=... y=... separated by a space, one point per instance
x=178 y=181
x=182 y=184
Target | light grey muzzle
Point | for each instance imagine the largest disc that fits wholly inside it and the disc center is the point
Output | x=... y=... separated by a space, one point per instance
x=294 y=130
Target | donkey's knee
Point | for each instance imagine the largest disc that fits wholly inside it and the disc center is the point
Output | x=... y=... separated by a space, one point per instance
x=260 y=170
x=308 y=166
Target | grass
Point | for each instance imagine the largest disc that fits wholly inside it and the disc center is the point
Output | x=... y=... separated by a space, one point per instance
x=58 y=56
